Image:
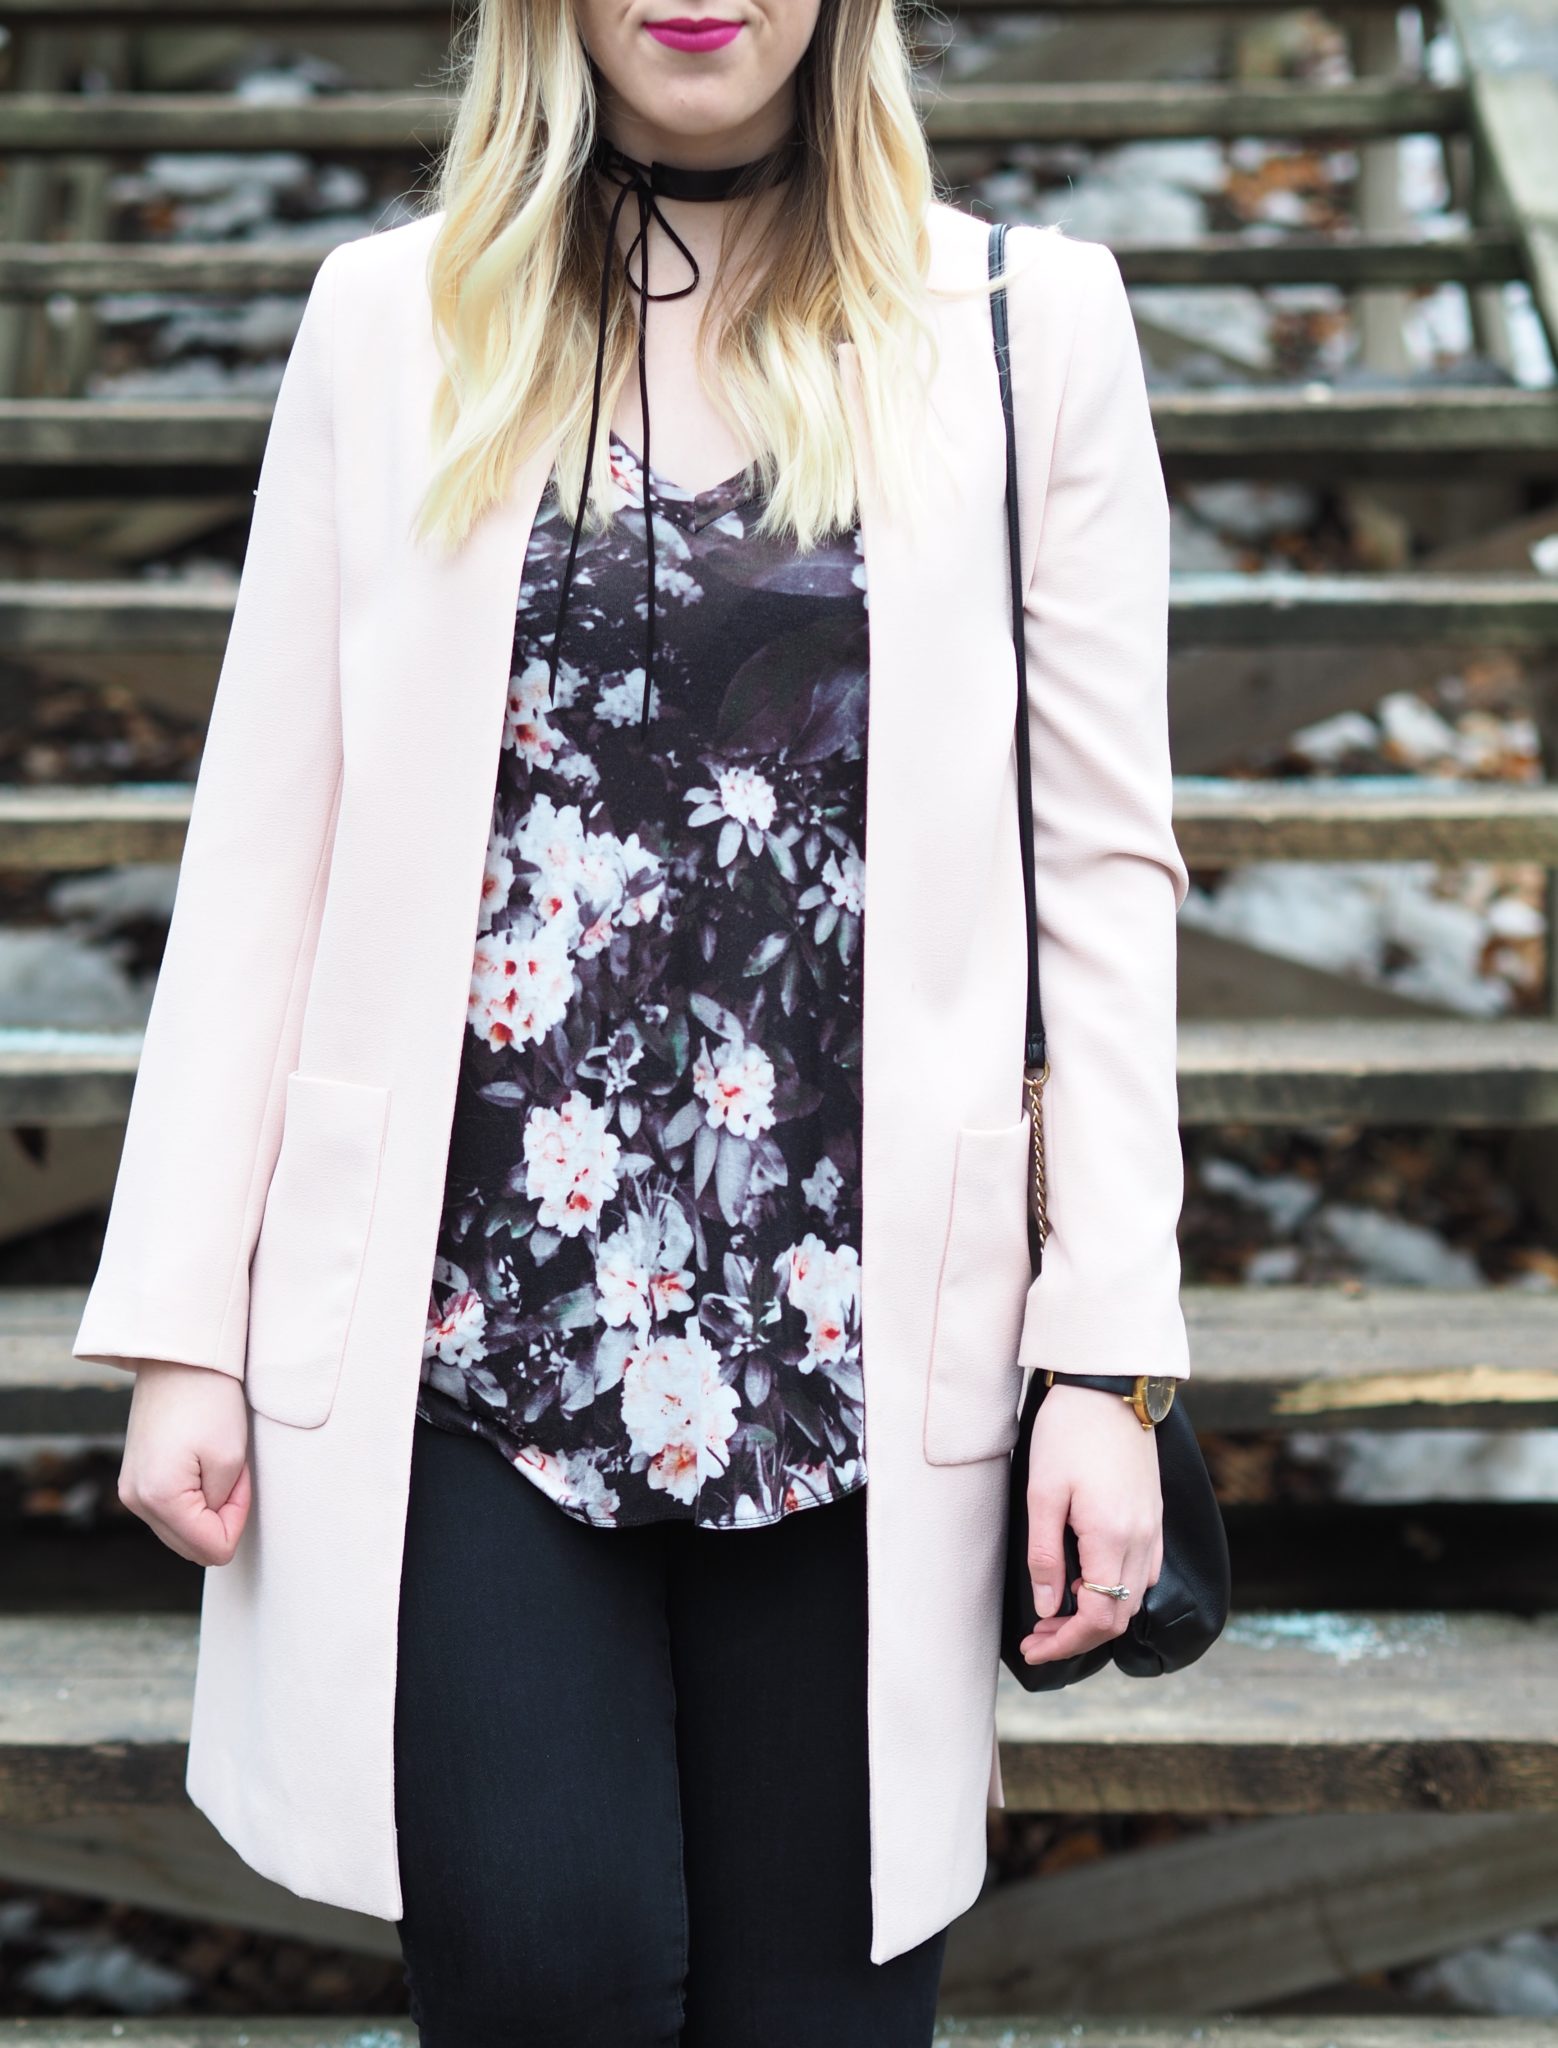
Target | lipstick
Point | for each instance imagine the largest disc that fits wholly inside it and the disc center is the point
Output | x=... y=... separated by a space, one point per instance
x=686 y=32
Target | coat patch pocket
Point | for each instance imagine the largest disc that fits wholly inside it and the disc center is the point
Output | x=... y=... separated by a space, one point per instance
x=313 y=1237
x=975 y=1382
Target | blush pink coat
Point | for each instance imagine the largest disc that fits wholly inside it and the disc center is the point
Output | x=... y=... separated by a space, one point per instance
x=278 y=1198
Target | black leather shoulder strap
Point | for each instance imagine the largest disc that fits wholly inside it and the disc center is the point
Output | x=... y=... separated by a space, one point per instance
x=1033 y=1046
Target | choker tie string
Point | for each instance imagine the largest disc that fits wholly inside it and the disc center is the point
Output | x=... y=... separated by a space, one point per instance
x=647 y=184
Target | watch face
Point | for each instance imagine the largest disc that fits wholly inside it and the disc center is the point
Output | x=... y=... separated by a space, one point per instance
x=1158 y=1397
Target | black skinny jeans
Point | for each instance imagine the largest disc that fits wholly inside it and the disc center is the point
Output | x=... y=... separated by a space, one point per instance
x=631 y=1787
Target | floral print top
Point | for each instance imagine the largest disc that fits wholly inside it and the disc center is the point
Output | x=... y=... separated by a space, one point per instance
x=646 y=1293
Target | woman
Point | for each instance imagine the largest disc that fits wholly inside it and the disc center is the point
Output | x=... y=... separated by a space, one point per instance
x=573 y=1252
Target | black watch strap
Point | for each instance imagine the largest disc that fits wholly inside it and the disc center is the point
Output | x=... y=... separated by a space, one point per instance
x=1106 y=1382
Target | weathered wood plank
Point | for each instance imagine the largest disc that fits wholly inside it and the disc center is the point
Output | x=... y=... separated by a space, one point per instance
x=1511 y=52
x=1060 y=2030
x=143 y=446
x=223 y=12
x=1352 y=259
x=37 y=270
x=1205 y=610
x=1219 y=822
x=1369 y=1071
x=1077 y=111
x=1320 y=429
x=1217 y=609
x=128 y=617
x=1372 y=1358
x=1304 y=1712
x=1225 y=977
x=1261 y=1358
x=170 y=1859
x=66 y=1077
x=1288 y=1713
x=134 y=434
x=1293 y=1072
x=64 y=829
x=1240 y=1916
x=93 y=1712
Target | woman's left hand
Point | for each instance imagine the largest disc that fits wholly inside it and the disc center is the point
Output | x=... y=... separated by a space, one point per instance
x=1093 y=1465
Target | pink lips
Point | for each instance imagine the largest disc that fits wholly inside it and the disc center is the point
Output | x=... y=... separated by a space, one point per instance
x=705 y=32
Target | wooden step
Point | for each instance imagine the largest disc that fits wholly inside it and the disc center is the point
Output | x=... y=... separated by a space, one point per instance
x=1206 y=609
x=1356 y=261
x=140 y=447
x=1320 y=430
x=1297 y=1073
x=138 y=13
x=108 y=123
x=1060 y=2030
x=1350 y=258
x=1343 y=1357
x=1301 y=1711
x=1369 y=1071
x=1288 y=1713
x=58 y=830
x=1230 y=609
x=1217 y=822
x=1372 y=1358
x=1437 y=2030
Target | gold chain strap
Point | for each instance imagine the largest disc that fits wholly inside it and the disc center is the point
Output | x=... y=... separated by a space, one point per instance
x=1033 y=1080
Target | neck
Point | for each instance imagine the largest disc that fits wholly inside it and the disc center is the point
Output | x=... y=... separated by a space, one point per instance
x=703 y=221
x=720 y=149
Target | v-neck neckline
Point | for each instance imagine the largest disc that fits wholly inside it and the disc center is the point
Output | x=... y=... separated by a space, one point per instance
x=690 y=509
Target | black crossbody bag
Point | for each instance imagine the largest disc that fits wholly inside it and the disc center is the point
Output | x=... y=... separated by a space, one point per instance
x=1184 y=1612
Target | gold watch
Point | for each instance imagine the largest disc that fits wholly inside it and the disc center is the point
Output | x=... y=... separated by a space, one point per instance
x=1150 y=1395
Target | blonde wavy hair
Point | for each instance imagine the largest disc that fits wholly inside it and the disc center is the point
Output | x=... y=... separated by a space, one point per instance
x=515 y=267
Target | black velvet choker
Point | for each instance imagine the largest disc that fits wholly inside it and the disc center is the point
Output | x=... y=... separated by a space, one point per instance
x=648 y=184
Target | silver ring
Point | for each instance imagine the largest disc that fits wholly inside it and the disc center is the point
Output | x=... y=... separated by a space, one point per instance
x=1114 y=1592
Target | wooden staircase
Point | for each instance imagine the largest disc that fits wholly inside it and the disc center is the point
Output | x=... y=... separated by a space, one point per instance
x=1396 y=1727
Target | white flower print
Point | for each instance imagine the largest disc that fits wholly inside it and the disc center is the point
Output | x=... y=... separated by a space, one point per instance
x=497 y=883
x=638 y=1271
x=742 y=802
x=847 y=883
x=455 y=1334
x=737 y=1086
x=821 y=1186
x=586 y=1484
x=527 y=729
x=647 y=1292
x=825 y=1286
x=521 y=983
x=807 y=1484
x=621 y=702
x=575 y=1479
x=679 y=1413
x=671 y=582
x=618 y=881
x=570 y=1163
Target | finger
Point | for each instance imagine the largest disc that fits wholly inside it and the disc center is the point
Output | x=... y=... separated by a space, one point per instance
x=1108 y=1559
x=188 y=1524
x=1097 y=1619
x=1069 y=1636
x=1047 y=1549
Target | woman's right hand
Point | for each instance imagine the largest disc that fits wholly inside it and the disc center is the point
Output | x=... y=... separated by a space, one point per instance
x=186 y=1458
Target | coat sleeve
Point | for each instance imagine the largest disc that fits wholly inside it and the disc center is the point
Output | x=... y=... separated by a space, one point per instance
x=1109 y=874
x=204 y=1123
